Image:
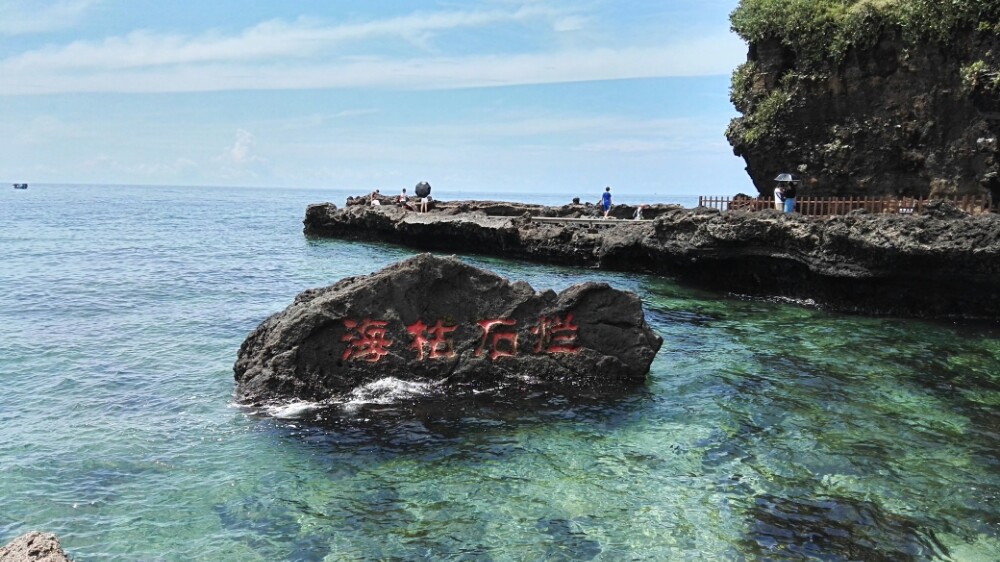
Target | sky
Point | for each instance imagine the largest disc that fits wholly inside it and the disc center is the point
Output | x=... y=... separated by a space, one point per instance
x=475 y=96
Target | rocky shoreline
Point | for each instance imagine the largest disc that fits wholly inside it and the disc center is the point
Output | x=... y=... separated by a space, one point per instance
x=941 y=264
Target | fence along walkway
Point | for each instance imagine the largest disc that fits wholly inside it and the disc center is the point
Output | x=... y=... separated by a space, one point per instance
x=973 y=204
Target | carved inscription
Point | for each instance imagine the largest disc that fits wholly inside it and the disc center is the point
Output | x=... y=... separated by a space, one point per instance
x=366 y=339
x=555 y=334
x=495 y=332
x=433 y=339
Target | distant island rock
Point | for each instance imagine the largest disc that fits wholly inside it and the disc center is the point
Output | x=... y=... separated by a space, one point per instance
x=865 y=98
x=34 y=547
x=439 y=320
x=941 y=263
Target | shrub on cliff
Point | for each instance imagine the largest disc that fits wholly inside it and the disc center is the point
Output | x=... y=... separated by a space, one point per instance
x=819 y=31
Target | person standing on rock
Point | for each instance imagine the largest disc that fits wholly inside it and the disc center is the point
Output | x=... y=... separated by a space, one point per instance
x=606 y=201
x=423 y=191
x=784 y=193
x=779 y=197
x=789 y=193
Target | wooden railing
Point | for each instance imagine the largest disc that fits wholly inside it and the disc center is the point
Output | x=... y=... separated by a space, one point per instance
x=972 y=204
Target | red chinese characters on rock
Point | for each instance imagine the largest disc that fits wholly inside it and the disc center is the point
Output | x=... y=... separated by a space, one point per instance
x=366 y=340
x=555 y=334
x=495 y=332
x=432 y=338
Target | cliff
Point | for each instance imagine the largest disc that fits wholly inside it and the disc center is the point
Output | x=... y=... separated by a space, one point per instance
x=870 y=97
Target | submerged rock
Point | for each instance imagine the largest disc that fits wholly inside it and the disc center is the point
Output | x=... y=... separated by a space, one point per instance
x=439 y=320
x=808 y=528
x=33 y=547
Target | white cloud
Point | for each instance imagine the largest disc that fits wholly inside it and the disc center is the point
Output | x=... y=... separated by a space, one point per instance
x=23 y=17
x=305 y=54
x=240 y=154
x=239 y=162
x=702 y=57
x=268 y=40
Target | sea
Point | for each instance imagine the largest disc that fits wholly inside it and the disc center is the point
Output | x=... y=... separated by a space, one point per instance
x=767 y=429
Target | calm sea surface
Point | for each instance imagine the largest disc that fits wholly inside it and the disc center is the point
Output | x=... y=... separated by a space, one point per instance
x=767 y=430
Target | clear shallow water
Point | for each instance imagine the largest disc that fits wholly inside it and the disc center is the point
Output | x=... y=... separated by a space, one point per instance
x=766 y=430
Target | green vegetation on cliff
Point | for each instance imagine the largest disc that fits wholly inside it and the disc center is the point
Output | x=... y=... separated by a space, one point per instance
x=818 y=35
x=978 y=76
x=819 y=31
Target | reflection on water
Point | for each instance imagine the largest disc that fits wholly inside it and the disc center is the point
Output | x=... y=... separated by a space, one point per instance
x=766 y=430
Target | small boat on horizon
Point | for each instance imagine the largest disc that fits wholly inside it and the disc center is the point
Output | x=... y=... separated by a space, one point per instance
x=20 y=186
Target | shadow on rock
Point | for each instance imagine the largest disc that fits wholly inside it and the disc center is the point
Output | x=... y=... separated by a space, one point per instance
x=474 y=425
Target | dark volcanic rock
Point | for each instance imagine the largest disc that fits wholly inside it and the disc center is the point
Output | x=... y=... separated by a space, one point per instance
x=919 y=265
x=432 y=319
x=33 y=547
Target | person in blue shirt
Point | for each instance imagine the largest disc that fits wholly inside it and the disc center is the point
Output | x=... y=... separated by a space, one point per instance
x=606 y=201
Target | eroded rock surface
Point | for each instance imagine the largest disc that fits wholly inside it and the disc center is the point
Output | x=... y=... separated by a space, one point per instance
x=433 y=319
x=33 y=547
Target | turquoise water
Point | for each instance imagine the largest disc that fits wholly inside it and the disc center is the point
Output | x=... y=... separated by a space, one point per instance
x=767 y=430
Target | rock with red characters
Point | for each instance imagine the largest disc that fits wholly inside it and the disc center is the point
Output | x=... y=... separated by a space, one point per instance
x=439 y=320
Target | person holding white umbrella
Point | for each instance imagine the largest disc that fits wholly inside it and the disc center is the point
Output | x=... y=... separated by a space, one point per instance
x=785 y=192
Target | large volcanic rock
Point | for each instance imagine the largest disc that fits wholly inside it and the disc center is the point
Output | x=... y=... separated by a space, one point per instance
x=433 y=319
x=33 y=547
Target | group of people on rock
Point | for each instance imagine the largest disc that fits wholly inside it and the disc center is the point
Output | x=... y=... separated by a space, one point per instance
x=403 y=201
x=784 y=198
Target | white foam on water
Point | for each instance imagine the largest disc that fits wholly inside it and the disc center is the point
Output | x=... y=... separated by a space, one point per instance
x=388 y=391
x=292 y=410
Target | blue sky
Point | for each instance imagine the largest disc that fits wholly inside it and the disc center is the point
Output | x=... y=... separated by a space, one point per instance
x=483 y=95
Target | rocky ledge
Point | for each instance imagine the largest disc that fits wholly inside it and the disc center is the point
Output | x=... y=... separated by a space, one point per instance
x=941 y=264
